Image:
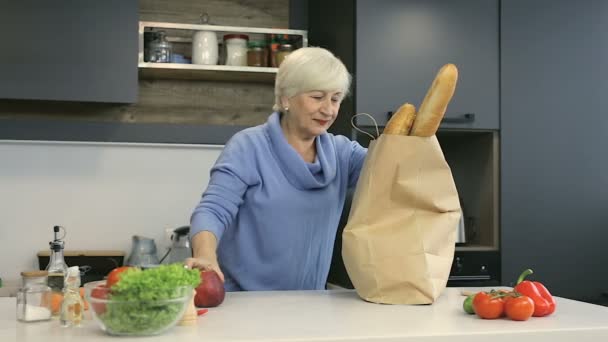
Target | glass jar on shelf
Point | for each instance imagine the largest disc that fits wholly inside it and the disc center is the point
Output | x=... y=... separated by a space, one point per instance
x=257 y=54
x=160 y=49
x=284 y=51
x=236 y=49
x=34 y=297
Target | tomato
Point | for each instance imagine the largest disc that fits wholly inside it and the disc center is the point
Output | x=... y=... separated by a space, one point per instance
x=488 y=306
x=99 y=292
x=503 y=295
x=519 y=308
x=114 y=275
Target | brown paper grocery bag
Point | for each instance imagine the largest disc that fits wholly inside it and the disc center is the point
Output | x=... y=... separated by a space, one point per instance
x=399 y=241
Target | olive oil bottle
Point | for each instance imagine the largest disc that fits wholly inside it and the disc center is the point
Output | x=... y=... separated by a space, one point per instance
x=57 y=267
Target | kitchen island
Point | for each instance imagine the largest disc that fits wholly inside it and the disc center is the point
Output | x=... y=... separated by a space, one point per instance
x=336 y=315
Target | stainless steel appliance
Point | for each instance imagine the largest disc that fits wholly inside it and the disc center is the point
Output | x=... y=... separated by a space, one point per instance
x=180 y=246
x=143 y=252
x=461 y=236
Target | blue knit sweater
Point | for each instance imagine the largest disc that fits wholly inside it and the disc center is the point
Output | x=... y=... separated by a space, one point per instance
x=275 y=215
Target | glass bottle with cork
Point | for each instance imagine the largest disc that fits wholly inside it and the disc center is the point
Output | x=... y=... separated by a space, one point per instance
x=72 y=305
x=57 y=267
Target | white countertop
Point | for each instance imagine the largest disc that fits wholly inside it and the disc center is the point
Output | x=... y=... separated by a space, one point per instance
x=336 y=315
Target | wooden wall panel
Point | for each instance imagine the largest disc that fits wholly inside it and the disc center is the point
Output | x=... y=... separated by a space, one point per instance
x=180 y=101
x=211 y=103
x=254 y=13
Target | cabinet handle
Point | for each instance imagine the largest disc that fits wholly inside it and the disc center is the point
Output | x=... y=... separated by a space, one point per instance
x=464 y=118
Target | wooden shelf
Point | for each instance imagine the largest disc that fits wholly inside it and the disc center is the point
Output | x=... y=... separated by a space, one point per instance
x=209 y=72
x=206 y=72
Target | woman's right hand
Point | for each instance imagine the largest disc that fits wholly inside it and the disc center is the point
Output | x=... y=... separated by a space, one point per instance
x=204 y=265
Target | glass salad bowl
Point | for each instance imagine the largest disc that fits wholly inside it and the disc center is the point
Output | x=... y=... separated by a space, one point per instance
x=145 y=313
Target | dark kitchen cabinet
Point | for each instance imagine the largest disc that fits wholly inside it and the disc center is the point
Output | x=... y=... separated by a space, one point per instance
x=553 y=138
x=69 y=50
x=395 y=47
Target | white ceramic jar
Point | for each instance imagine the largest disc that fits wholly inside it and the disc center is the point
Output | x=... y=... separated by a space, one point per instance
x=204 y=48
x=236 y=49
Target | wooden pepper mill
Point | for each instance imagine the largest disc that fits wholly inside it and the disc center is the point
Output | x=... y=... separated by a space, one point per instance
x=190 y=315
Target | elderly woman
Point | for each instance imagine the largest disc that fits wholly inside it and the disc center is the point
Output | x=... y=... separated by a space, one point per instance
x=268 y=218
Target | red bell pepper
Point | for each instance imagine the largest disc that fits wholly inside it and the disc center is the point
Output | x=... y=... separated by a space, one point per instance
x=544 y=303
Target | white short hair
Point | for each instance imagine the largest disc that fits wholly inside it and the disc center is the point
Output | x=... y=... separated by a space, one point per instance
x=307 y=69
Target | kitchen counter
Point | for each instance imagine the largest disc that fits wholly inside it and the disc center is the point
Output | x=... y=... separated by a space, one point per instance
x=336 y=315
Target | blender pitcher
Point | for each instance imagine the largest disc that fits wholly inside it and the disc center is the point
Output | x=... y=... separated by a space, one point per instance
x=143 y=252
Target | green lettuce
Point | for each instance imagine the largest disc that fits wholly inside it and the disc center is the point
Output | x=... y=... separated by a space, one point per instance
x=147 y=301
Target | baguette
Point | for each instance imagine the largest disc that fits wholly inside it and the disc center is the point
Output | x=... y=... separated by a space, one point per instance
x=435 y=102
x=401 y=122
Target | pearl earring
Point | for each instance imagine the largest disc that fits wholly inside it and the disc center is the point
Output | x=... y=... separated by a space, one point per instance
x=287 y=109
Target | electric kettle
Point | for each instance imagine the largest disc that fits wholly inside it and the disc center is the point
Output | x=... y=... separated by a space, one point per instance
x=180 y=246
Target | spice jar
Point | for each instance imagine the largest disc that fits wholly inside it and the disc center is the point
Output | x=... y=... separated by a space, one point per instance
x=257 y=55
x=34 y=297
x=236 y=49
x=284 y=51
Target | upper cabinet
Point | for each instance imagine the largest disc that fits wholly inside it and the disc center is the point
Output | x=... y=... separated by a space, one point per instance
x=399 y=45
x=70 y=51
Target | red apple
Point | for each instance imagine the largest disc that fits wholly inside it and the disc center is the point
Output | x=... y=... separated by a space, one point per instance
x=210 y=292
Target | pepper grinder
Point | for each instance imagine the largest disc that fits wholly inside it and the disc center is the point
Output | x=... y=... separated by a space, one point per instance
x=190 y=316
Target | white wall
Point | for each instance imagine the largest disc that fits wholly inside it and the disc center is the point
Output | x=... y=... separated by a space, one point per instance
x=103 y=193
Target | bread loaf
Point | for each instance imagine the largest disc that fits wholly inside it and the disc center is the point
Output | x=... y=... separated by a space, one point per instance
x=435 y=103
x=401 y=122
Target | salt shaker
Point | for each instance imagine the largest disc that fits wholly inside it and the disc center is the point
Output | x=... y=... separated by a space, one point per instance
x=34 y=297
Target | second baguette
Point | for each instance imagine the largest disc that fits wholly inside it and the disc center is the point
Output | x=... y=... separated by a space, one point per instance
x=401 y=122
x=435 y=103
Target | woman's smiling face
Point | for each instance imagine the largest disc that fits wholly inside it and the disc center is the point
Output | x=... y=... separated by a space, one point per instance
x=312 y=113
